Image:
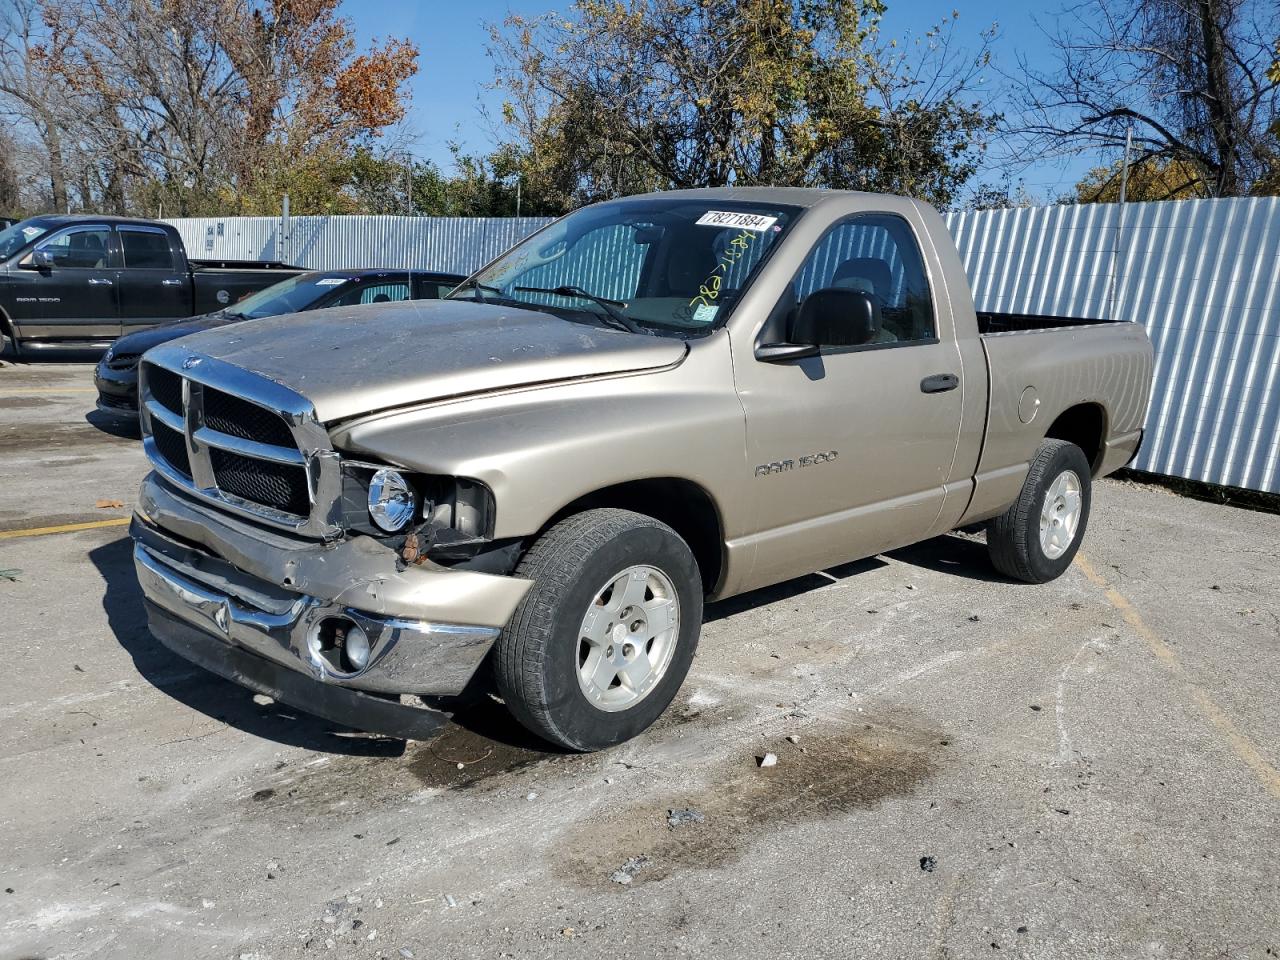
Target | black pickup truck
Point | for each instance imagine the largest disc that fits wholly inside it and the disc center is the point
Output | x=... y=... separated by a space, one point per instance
x=82 y=281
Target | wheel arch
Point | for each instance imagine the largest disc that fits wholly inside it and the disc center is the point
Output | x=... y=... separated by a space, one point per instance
x=685 y=506
x=1085 y=425
x=8 y=329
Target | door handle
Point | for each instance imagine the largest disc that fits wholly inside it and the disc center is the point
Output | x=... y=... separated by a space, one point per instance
x=99 y=282
x=171 y=283
x=939 y=383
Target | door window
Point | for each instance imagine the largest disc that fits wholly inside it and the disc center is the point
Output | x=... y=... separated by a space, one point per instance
x=875 y=254
x=374 y=293
x=146 y=250
x=434 y=289
x=80 y=247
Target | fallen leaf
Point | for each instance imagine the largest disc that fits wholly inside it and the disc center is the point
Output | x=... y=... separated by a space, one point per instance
x=109 y=504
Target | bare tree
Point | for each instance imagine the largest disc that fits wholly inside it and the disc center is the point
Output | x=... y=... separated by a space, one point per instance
x=30 y=92
x=1188 y=77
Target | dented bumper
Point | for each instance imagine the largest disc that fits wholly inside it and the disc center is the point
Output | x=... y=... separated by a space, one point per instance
x=271 y=595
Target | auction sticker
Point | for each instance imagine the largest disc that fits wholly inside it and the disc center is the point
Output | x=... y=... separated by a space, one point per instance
x=744 y=221
x=330 y=281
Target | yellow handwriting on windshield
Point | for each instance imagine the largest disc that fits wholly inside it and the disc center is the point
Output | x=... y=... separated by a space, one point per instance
x=709 y=290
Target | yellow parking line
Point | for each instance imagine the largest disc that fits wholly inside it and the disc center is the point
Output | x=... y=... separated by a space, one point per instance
x=63 y=528
x=27 y=391
x=1239 y=743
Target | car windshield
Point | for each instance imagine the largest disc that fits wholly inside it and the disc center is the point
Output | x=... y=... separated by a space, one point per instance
x=14 y=238
x=672 y=266
x=288 y=296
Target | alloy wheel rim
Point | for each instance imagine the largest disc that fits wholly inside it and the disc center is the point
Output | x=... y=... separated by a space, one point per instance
x=1060 y=514
x=627 y=638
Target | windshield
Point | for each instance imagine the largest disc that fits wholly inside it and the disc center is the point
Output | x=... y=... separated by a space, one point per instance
x=288 y=296
x=14 y=238
x=672 y=266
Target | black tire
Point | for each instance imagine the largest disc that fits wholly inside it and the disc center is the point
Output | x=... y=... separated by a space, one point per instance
x=536 y=658
x=1013 y=538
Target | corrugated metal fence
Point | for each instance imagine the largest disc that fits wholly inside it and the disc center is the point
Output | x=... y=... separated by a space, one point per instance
x=1203 y=276
x=451 y=244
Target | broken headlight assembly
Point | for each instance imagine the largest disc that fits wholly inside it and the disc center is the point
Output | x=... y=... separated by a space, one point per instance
x=446 y=519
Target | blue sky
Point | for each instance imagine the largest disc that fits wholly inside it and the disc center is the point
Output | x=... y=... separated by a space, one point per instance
x=448 y=91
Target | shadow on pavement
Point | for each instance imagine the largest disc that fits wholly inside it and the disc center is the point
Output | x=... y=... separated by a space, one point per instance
x=957 y=556
x=478 y=711
x=788 y=589
x=125 y=428
x=205 y=692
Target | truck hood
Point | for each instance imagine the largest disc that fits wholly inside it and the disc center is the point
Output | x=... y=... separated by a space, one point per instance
x=353 y=360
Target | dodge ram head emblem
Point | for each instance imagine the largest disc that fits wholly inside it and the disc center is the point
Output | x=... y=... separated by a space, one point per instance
x=190 y=362
x=782 y=466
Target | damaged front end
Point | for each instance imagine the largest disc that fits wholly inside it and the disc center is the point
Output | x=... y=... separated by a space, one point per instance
x=258 y=557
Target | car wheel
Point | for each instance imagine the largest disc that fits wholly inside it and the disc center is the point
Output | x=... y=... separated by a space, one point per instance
x=1036 y=539
x=600 y=645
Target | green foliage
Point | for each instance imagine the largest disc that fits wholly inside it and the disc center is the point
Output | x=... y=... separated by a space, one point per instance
x=1150 y=179
x=621 y=96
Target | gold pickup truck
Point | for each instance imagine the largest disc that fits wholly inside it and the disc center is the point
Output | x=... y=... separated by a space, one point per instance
x=650 y=403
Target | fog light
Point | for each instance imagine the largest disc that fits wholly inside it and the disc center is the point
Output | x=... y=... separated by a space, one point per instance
x=340 y=645
x=357 y=648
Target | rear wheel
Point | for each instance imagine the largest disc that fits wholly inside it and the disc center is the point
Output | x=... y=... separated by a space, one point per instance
x=1036 y=539
x=602 y=642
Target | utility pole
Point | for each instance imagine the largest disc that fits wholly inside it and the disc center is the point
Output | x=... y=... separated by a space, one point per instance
x=1114 y=284
x=286 y=239
x=1124 y=171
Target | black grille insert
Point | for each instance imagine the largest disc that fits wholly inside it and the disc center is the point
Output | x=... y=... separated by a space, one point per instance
x=281 y=486
x=172 y=446
x=165 y=387
x=248 y=421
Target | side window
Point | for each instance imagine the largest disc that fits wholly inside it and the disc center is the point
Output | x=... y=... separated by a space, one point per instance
x=83 y=247
x=146 y=250
x=875 y=254
x=434 y=289
x=374 y=293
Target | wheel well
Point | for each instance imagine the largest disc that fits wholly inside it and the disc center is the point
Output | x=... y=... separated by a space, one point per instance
x=6 y=327
x=681 y=504
x=1085 y=426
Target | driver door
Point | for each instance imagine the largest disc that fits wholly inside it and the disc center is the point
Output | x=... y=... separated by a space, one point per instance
x=851 y=450
x=75 y=299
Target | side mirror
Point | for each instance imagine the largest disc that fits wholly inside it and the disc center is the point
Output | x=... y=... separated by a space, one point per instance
x=837 y=317
x=39 y=260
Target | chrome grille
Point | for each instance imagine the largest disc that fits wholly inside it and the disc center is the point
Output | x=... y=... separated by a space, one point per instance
x=248 y=444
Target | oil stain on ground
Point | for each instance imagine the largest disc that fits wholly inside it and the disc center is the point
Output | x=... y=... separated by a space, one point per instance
x=825 y=775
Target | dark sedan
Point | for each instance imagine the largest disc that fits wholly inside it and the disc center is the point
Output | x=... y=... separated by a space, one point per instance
x=117 y=374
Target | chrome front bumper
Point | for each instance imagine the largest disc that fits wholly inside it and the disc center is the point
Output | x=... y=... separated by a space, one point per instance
x=406 y=656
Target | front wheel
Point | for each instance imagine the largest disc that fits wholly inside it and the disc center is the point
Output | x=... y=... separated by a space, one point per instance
x=600 y=645
x=1036 y=539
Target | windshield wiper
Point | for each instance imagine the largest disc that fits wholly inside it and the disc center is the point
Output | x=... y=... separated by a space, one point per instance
x=475 y=285
x=620 y=320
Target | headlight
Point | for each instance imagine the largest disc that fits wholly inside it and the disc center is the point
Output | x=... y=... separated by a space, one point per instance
x=391 y=501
